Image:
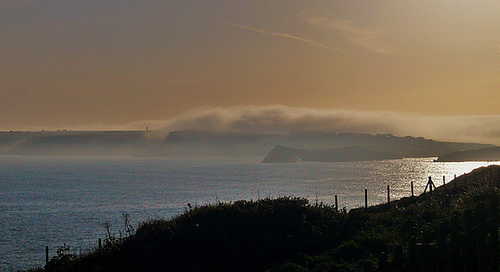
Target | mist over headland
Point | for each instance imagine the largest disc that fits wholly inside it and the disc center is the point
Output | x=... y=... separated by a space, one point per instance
x=284 y=119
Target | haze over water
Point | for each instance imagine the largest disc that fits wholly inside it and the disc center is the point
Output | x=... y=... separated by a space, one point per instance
x=48 y=201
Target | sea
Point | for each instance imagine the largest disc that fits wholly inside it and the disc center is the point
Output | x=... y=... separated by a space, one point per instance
x=73 y=201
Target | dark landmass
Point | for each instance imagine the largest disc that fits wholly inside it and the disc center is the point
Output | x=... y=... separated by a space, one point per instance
x=289 y=234
x=399 y=146
x=92 y=143
x=283 y=154
x=137 y=143
x=484 y=154
x=359 y=147
x=210 y=143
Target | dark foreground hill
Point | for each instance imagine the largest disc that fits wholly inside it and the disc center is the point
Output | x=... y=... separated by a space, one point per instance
x=286 y=234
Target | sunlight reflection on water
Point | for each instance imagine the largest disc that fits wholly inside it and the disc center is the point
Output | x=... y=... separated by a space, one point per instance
x=54 y=200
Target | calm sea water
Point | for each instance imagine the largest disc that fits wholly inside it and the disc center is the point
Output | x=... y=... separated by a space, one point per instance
x=48 y=201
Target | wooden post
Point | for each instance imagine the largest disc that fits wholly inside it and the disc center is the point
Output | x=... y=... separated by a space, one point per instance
x=429 y=185
x=46 y=255
x=411 y=184
x=444 y=181
x=366 y=198
x=336 y=203
x=99 y=243
x=388 y=194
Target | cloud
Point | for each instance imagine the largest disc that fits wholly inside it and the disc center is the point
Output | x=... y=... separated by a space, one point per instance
x=365 y=37
x=287 y=36
x=283 y=119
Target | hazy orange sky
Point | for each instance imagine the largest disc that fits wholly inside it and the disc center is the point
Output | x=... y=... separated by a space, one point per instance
x=98 y=64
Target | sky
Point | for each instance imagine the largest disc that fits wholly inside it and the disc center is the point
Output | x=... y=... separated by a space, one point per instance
x=400 y=66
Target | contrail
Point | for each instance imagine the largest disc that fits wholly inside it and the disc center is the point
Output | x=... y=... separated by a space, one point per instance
x=287 y=36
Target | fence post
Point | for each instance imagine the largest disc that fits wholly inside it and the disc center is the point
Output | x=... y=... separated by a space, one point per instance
x=99 y=243
x=336 y=203
x=366 y=198
x=46 y=255
x=429 y=185
x=388 y=194
x=444 y=181
x=412 y=189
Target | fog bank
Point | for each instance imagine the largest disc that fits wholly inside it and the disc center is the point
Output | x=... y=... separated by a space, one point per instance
x=283 y=119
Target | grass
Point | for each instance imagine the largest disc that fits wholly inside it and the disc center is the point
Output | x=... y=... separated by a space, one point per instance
x=283 y=234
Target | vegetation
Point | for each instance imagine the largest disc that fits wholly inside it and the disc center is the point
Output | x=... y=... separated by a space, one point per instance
x=284 y=234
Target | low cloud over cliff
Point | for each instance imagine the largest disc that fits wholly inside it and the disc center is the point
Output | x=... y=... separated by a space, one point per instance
x=283 y=119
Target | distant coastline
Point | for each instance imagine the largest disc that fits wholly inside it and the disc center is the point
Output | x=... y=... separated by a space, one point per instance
x=483 y=154
x=292 y=147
